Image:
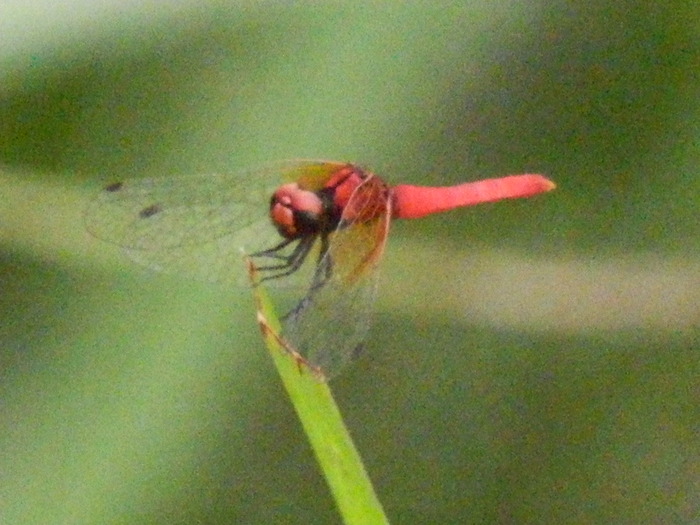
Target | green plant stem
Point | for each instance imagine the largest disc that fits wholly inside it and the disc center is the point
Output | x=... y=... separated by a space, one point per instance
x=329 y=438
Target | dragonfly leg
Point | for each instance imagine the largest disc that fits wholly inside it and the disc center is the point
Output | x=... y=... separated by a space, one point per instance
x=291 y=262
x=322 y=273
x=272 y=252
x=324 y=266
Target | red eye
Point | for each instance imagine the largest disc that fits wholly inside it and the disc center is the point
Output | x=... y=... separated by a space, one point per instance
x=295 y=211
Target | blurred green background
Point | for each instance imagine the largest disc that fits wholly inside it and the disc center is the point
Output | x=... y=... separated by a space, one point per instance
x=530 y=362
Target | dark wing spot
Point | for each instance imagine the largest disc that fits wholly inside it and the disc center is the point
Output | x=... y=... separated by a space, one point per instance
x=150 y=211
x=358 y=351
x=115 y=186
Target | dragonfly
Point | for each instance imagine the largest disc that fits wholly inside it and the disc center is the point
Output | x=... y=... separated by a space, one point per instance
x=316 y=227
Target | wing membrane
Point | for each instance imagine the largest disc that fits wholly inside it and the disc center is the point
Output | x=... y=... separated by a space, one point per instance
x=333 y=321
x=198 y=226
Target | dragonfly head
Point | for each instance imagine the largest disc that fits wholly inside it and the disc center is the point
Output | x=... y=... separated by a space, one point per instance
x=296 y=212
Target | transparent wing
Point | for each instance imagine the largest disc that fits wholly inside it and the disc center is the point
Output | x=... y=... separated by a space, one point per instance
x=197 y=226
x=330 y=325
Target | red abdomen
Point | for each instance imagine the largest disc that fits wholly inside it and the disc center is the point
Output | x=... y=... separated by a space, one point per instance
x=411 y=202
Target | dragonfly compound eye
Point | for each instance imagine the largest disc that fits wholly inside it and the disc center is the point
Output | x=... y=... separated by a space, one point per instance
x=295 y=212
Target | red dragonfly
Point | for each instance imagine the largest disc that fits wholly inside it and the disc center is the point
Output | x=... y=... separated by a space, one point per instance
x=318 y=226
